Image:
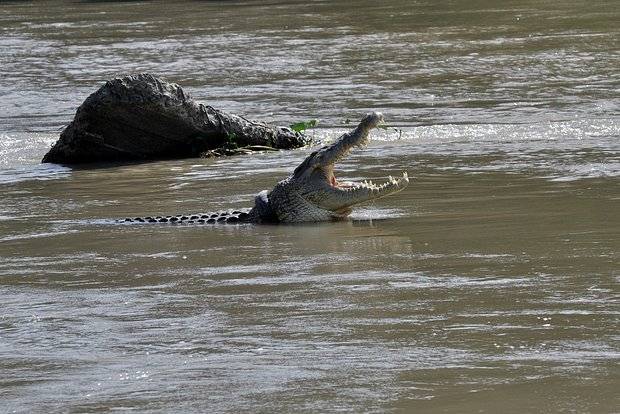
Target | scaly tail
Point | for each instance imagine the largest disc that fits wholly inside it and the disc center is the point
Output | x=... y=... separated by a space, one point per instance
x=235 y=216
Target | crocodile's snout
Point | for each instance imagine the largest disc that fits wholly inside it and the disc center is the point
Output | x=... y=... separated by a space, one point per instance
x=372 y=120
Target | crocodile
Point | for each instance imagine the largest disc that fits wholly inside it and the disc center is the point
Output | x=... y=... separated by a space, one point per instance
x=310 y=194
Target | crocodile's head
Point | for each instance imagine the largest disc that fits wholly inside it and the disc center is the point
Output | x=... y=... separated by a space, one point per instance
x=313 y=193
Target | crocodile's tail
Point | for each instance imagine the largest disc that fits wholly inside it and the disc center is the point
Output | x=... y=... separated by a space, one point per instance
x=233 y=216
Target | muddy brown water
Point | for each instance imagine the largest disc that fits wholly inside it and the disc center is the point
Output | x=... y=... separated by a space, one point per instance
x=489 y=285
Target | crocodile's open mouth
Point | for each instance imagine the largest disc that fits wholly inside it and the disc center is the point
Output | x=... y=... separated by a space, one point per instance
x=324 y=190
x=344 y=193
x=343 y=147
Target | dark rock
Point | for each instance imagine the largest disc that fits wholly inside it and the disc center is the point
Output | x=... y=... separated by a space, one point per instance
x=142 y=117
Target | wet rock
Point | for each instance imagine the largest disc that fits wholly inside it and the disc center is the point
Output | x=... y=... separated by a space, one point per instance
x=142 y=117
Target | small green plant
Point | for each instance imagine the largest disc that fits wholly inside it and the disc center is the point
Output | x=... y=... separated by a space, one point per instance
x=231 y=139
x=303 y=125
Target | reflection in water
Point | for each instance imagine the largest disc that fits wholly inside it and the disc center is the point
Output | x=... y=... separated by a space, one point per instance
x=488 y=285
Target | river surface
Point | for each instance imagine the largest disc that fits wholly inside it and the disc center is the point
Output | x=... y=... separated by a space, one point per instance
x=489 y=285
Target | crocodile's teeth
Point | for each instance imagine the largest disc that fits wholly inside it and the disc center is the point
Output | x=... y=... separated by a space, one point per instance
x=374 y=187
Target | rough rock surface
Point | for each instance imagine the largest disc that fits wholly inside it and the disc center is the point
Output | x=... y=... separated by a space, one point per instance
x=142 y=117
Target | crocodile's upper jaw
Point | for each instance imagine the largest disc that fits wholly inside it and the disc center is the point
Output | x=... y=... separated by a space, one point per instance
x=312 y=192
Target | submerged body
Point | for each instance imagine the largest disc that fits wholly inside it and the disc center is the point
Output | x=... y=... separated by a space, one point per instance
x=310 y=193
